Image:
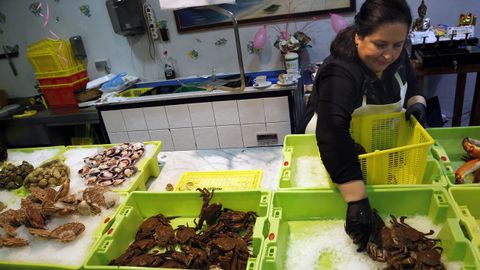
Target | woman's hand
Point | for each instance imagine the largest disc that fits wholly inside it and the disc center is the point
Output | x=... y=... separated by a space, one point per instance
x=419 y=110
x=358 y=223
x=417 y=107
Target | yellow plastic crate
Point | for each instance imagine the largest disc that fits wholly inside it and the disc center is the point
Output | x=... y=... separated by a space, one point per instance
x=60 y=73
x=220 y=180
x=51 y=55
x=396 y=149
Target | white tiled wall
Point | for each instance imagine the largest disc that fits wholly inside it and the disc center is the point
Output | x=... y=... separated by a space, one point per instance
x=178 y=116
x=139 y=136
x=118 y=137
x=156 y=117
x=201 y=114
x=208 y=125
x=251 y=111
x=230 y=136
x=249 y=133
x=276 y=109
x=183 y=138
x=134 y=119
x=113 y=121
x=164 y=136
x=206 y=137
x=226 y=112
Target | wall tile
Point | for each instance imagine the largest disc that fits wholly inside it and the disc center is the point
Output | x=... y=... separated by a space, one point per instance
x=118 y=137
x=230 y=136
x=139 y=136
x=276 y=109
x=249 y=134
x=156 y=117
x=251 y=111
x=206 y=137
x=164 y=136
x=113 y=121
x=226 y=113
x=134 y=119
x=178 y=116
x=281 y=128
x=201 y=114
x=183 y=138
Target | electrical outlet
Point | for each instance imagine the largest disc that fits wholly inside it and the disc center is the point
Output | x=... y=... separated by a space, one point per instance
x=102 y=65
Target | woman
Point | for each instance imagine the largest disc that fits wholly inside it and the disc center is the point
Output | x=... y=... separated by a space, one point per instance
x=368 y=72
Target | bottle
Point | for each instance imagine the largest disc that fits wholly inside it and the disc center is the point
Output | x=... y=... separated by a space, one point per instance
x=169 y=69
x=292 y=65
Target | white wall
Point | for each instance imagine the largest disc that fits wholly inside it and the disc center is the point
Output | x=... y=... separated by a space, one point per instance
x=131 y=55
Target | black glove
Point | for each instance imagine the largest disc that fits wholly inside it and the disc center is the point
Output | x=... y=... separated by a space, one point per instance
x=419 y=110
x=359 y=223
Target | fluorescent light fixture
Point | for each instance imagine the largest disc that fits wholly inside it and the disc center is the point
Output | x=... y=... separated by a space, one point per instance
x=178 y=4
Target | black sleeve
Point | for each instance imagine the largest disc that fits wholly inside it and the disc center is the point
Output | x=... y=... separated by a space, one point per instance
x=412 y=89
x=337 y=98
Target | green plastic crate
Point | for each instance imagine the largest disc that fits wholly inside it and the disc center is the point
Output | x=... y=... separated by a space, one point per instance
x=141 y=205
x=325 y=204
x=101 y=230
x=31 y=150
x=147 y=167
x=448 y=148
x=466 y=203
x=296 y=146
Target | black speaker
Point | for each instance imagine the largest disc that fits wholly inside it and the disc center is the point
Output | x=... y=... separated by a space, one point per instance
x=126 y=17
x=77 y=46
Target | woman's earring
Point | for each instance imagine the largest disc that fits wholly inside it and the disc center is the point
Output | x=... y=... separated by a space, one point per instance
x=356 y=45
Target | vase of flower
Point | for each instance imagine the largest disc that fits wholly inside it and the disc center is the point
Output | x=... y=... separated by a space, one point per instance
x=291 y=47
x=292 y=62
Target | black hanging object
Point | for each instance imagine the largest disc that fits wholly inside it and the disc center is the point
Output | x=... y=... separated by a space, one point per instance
x=77 y=46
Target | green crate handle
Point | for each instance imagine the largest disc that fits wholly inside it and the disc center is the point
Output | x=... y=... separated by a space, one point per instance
x=469 y=223
x=251 y=263
x=271 y=253
x=440 y=154
x=264 y=200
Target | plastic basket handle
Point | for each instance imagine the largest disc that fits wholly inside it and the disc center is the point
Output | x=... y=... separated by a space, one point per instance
x=470 y=224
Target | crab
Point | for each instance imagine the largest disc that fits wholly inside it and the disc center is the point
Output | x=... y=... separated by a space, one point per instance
x=209 y=212
x=165 y=236
x=64 y=233
x=148 y=227
x=430 y=259
x=228 y=251
x=11 y=219
x=412 y=238
x=183 y=234
x=12 y=242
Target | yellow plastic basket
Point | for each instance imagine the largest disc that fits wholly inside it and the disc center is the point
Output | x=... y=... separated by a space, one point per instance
x=396 y=149
x=51 y=55
x=60 y=73
x=220 y=180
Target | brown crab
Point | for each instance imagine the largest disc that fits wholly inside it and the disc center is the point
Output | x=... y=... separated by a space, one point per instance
x=12 y=219
x=430 y=259
x=209 y=212
x=412 y=238
x=183 y=234
x=64 y=233
x=12 y=242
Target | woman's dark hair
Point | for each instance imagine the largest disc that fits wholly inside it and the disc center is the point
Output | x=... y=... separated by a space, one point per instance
x=372 y=14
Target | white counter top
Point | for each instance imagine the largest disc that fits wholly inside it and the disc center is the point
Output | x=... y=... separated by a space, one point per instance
x=174 y=164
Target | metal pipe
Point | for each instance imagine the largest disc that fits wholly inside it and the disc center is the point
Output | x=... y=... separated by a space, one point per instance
x=237 y=45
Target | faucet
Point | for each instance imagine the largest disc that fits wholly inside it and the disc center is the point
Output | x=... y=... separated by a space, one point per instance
x=238 y=48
